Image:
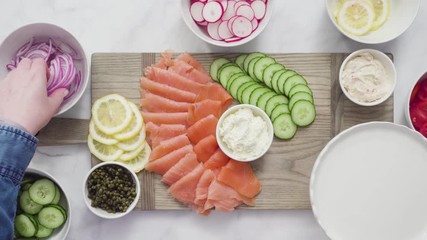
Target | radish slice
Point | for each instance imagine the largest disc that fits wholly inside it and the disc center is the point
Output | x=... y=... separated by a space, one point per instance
x=233 y=39
x=254 y=24
x=204 y=23
x=245 y=11
x=212 y=11
x=231 y=22
x=196 y=11
x=229 y=12
x=213 y=30
x=259 y=8
x=241 y=27
x=240 y=3
x=223 y=31
x=224 y=4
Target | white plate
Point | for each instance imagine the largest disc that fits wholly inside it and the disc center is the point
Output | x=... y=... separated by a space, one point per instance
x=370 y=183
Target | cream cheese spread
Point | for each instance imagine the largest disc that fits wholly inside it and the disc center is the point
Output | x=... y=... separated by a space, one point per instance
x=365 y=78
x=244 y=134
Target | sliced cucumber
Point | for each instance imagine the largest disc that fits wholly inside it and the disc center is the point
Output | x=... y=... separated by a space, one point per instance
x=273 y=102
x=275 y=80
x=256 y=94
x=269 y=72
x=251 y=68
x=292 y=81
x=303 y=113
x=51 y=217
x=25 y=225
x=215 y=66
x=300 y=88
x=225 y=73
x=299 y=96
x=262 y=101
x=26 y=186
x=234 y=86
x=240 y=59
x=234 y=77
x=57 y=195
x=249 y=58
x=27 y=205
x=284 y=127
x=43 y=232
x=246 y=94
x=282 y=80
x=27 y=179
x=242 y=88
x=42 y=191
x=261 y=65
x=279 y=110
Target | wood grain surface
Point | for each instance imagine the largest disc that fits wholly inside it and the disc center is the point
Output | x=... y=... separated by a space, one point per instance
x=284 y=171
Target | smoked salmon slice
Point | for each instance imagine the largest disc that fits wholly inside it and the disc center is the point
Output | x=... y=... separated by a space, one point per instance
x=186 y=70
x=222 y=197
x=157 y=134
x=166 y=91
x=192 y=61
x=167 y=146
x=182 y=168
x=163 y=164
x=202 y=128
x=199 y=110
x=184 y=190
x=217 y=160
x=172 y=79
x=155 y=103
x=216 y=92
x=240 y=176
x=202 y=190
x=206 y=148
x=165 y=118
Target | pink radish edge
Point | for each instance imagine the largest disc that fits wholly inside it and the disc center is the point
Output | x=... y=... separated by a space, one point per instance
x=212 y=11
x=259 y=8
x=196 y=11
x=241 y=27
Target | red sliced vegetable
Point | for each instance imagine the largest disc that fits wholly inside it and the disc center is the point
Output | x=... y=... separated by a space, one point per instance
x=241 y=27
x=245 y=11
x=212 y=11
x=229 y=11
x=259 y=8
x=213 y=30
x=423 y=130
x=60 y=62
x=223 y=30
x=196 y=11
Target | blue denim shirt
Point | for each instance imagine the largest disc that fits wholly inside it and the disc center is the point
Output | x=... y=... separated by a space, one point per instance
x=17 y=148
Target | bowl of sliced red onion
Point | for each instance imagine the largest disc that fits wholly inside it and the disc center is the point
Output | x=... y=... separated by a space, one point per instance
x=226 y=23
x=63 y=54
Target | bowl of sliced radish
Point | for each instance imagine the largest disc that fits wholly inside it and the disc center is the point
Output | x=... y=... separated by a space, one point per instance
x=226 y=23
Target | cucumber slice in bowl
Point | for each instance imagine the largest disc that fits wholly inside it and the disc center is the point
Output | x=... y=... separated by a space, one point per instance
x=51 y=217
x=27 y=205
x=303 y=113
x=42 y=191
x=26 y=225
x=43 y=232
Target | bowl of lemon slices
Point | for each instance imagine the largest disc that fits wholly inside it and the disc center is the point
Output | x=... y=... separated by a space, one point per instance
x=372 y=21
x=117 y=132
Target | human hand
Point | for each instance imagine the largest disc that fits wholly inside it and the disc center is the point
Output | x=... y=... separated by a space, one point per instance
x=23 y=96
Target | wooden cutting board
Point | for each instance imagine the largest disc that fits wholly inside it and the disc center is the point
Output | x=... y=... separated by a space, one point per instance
x=284 y=171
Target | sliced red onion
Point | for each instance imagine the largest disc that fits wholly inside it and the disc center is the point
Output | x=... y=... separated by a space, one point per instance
x=60 y=59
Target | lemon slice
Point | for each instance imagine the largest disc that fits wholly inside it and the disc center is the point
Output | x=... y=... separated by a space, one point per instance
x=111 y=114
x=127 y=156
x=382 y=11
x=99 y=136
x=138 y=164
x=133 y=143
x=103 y=152
x=356 y=17
x=134 y=127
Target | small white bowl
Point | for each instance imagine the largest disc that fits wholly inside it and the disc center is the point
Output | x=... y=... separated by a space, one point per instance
x=408 y=101
x=42 y=32
x=202 y=33
x=388 y=66
x=402 y=14
x=102 y=213
x=256 y=112
x=61 y=232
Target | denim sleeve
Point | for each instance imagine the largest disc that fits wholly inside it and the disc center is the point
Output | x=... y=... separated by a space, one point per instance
x=17 y=148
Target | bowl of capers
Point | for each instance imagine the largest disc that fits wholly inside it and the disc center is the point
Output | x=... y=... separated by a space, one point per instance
x=111 y=190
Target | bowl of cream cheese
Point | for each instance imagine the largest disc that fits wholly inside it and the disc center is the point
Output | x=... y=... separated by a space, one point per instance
x=367 y=77
x=244 y=132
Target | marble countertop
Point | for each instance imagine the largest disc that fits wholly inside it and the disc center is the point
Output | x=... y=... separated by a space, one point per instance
x=154 y=26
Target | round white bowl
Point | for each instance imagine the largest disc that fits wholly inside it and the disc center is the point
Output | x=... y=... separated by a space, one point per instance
x=369 y=182
x=61 y=232
x=389 y=68
x=202 y=33
x=408 y=101
x=256 y=112
x=102 y=213
x=402 y=14
x=42 y=32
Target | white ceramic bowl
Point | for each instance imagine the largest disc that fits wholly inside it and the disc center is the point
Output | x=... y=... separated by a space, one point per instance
x=202 y=33
x=389 y=68
x=256 y=112
x=42 y=32
x=369 y=182
x=408 y=101
x=61 y=232
x=102 y=213
x=402 y=14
